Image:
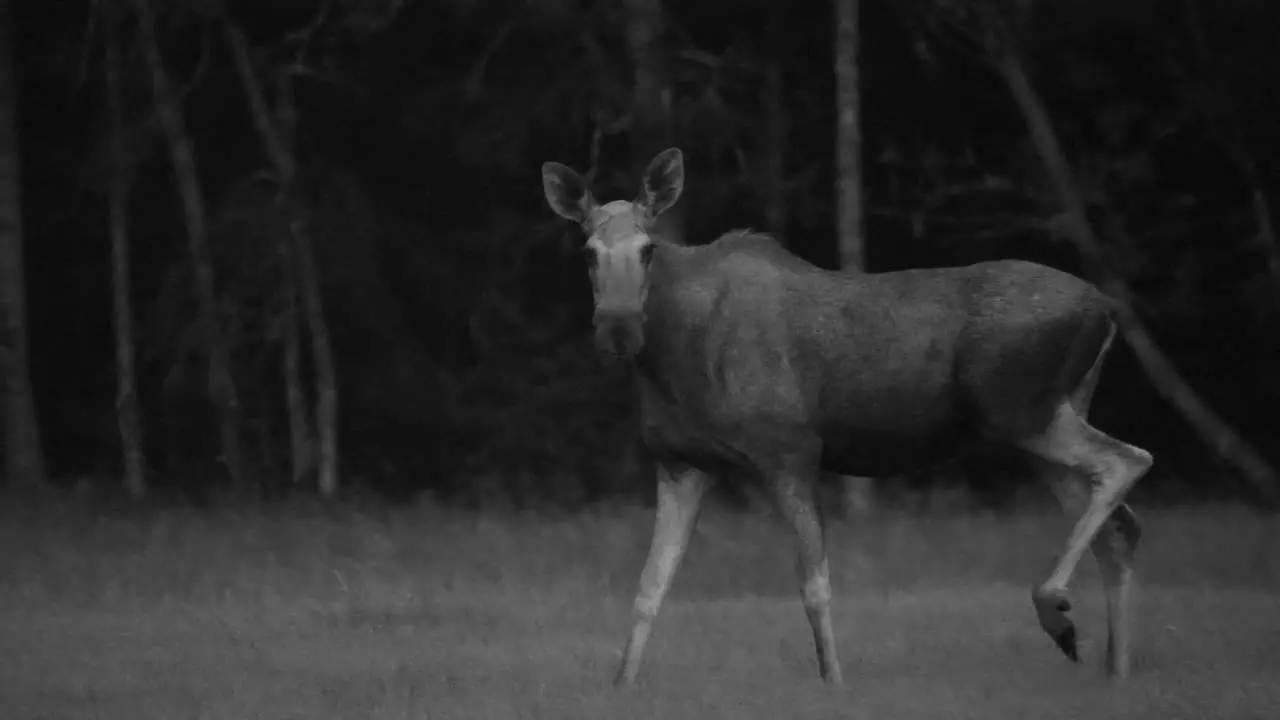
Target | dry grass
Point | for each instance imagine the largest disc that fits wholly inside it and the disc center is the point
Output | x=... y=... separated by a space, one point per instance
x=427 y=614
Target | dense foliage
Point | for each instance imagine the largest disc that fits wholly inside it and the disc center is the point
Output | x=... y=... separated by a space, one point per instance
x=458 y=302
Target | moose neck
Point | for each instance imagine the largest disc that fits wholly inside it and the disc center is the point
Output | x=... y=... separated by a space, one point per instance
x=663 y=318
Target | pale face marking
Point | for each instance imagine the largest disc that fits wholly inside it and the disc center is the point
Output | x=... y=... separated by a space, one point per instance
x=618 y=252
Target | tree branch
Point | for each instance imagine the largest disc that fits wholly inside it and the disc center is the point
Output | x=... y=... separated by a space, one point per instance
x=280 y=158
x=1166 y=379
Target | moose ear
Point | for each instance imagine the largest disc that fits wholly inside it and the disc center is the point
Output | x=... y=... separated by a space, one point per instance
x=566 y=192
x=663 y=182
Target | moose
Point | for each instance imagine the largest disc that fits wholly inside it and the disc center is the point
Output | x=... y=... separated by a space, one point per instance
x=750 y=362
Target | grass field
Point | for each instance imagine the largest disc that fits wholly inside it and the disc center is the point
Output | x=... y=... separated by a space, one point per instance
x=426 y=614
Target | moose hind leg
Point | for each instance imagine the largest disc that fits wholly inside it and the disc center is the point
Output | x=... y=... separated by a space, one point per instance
x=794 y=495
x=1111 y=467
x=680 y=494
x=1114 y=547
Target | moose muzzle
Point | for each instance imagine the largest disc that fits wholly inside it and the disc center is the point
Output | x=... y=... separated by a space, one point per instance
x=619 y=332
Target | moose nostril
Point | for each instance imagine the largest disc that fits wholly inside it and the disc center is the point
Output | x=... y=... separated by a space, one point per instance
x=618 y=334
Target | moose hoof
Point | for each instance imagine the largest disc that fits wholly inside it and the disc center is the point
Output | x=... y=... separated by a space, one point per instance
x=1052 y=607
x=1066 y=641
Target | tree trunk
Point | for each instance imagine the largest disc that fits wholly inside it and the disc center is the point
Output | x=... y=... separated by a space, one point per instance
x=1235 y=147
x=775 y=201
x=1225 y=127
x=277 y=138
x=24 y=458
x=777 y=121
x=322 y=354
x=849 y=193
x=221 y=385
x=301 y=447
x=283 y=130
x=1213 y=430
x=858 y=493
x=127 y=415
x=1266 y=229
x=651 y=96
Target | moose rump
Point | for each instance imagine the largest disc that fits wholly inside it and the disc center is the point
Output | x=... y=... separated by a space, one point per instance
x=904 y=370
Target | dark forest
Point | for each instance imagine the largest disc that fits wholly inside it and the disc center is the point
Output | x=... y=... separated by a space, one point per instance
x=456 y=305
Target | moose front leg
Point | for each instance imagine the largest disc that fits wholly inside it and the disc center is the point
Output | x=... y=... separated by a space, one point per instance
x=680 y=492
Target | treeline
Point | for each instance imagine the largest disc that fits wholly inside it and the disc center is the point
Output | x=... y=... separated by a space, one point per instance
x=325 y=220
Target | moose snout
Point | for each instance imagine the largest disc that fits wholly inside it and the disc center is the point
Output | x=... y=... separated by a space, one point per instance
x=619 y=333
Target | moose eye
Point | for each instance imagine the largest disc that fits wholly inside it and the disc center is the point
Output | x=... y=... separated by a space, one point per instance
x=589 y=255
x=646 y=253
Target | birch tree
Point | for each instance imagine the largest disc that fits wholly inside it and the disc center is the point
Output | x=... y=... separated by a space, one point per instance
x=277 y=130
x=128 y=420
x=220 y=382
x=850 y=202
